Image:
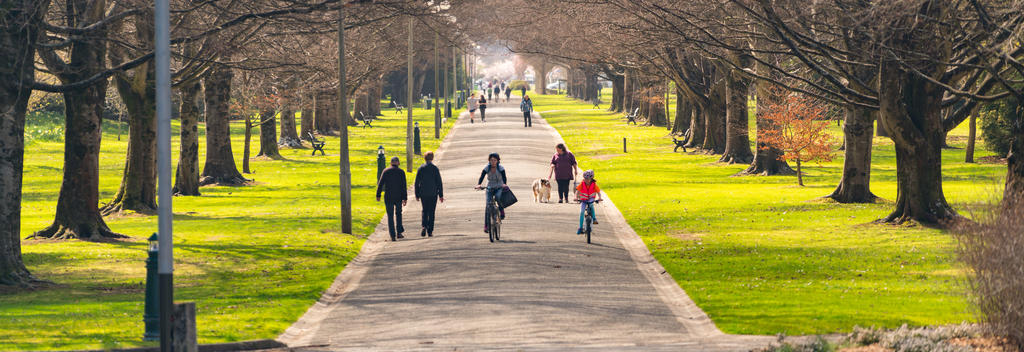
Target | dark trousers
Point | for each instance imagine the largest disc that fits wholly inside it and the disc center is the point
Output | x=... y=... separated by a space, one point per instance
x=394 y=209
x=563 y=189
x=527 y=121
x=483 y=114
x=429 y=204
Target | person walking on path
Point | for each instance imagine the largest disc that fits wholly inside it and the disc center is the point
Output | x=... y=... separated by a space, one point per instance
x=522 y=90
x=563 y=166
x=496 y=182
x=526 y=106
x=428 y=190
x=472 y=104
x=392 y=182
x=488 y=91
x=508 y=93
x=497 y=91
x=483 y=108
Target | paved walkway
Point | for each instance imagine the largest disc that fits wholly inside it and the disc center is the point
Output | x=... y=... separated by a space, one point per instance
x=542 y=288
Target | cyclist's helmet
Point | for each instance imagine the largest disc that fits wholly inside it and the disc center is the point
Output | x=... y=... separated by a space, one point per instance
x=494 y=155
x=588 y=174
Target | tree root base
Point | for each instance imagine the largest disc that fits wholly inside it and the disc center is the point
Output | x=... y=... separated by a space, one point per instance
x=736 y=159
x=224 y=181
x=290 y=143
x=87 y=232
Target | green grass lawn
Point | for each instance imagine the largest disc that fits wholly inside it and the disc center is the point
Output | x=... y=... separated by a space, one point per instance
x=762 y=255
x=253 y=258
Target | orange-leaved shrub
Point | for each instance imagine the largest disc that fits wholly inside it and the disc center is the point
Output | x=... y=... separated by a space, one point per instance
x=799 y=130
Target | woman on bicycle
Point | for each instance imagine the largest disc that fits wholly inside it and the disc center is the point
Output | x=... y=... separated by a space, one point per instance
x=496 y=181
x=588 y=194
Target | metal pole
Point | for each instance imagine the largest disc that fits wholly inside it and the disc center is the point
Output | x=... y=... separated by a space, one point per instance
x=165 y=259
x=408 y=121
x=437 y=88
x=344 y=170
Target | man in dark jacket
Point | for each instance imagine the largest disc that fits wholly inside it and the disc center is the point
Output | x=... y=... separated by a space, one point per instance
x=392 y=182
x=428 y=190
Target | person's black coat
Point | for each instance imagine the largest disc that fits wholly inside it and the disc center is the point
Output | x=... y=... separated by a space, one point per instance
x=428 y=182
x=392 y=183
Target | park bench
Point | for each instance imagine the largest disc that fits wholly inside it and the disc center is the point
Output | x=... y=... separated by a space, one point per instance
x=366 y=120
x=317 y=144
x=679 y=144
x=398 y=107
x=632 y=117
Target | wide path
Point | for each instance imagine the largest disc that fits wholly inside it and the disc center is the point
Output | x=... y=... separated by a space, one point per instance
x=541 y=288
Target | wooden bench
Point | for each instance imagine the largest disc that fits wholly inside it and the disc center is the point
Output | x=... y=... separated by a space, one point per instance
x=366 y=120
x=317 y=144
x=398 y=107
x=679 y=144
x=632 y=117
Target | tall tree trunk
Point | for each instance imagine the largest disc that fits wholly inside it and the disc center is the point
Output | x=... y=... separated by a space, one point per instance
x=766 y=158
x=656 y=101
x=714 y=124
x=972 y=137
x=737 y=149
x=19 y=30
x=289 y=137
x=684 y=115
x=307 y=121
x=627 y=92
x=375 y=93
x=618 y=83
x=78 y=214
x=855 y=185
x=910 y=109
x=247 y=144
x=1013 y=194
x=186 y=180
x=219 y=167
x=697 y=128
x=138 y=183
x=362 y=104
x=541 y=77
x=326 y=121
x=268 y=135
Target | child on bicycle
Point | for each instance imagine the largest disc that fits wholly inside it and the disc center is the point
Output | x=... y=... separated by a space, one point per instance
x=588 y=194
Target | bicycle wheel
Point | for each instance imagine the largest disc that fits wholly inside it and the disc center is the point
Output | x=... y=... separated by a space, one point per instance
x=497 y=228
x=588 y=229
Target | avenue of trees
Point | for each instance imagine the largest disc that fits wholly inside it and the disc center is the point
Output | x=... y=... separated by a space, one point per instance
x=264 y=60
x=916 y=67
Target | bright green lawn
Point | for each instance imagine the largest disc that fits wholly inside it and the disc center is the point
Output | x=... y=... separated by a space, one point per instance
x=761 y=255
x=253 y=258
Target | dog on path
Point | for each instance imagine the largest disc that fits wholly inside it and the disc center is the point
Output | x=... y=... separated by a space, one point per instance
x=541 y=190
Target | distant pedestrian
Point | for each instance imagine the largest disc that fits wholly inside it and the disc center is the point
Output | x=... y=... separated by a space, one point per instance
x=472 y=104
x=508 y=93
x=483 y=108
x=488 y=91
x=522 y=90
x=526 y=106
x=392 y=182
x=497 y=91
x=563 y=167
x=428 y=191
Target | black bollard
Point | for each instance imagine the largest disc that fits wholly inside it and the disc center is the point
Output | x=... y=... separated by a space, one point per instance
x=151 y=310
x=380 y=162
x=416 y=138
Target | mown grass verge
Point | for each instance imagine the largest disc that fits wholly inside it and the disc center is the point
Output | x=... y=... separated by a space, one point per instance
x=253 y=258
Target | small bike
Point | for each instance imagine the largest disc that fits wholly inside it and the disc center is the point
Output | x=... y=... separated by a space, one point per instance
x=588 y=219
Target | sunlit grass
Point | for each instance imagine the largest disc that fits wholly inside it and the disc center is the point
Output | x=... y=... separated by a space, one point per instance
x=762 y=255
x=253 y=258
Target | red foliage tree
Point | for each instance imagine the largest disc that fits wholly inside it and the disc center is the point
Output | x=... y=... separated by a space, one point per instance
x=799 y=131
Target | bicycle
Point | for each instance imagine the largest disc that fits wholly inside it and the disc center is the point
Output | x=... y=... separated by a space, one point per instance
x=493 y=218
x=588 y=218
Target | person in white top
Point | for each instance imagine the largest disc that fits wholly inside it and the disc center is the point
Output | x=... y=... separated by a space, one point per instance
x=472 y=103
